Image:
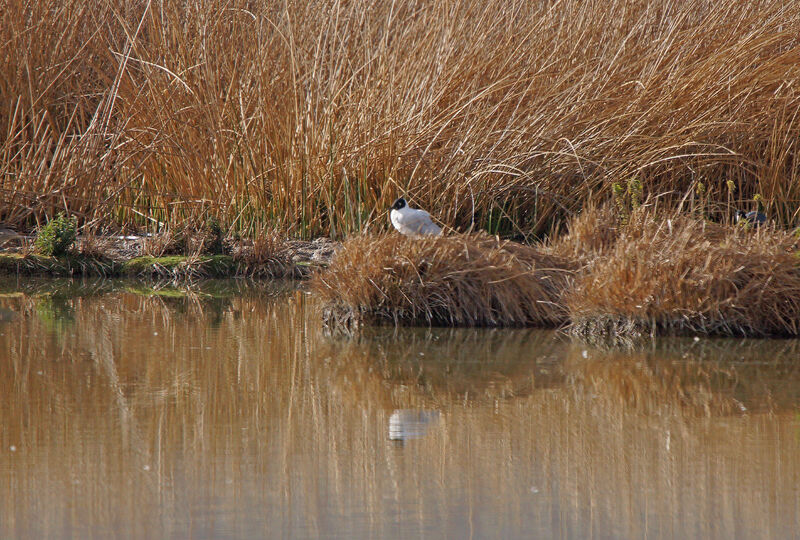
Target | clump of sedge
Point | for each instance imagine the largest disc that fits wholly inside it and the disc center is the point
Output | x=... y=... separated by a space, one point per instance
x=459 y=280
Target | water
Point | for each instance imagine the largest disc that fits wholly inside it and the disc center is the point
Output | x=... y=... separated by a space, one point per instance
x=228 y=413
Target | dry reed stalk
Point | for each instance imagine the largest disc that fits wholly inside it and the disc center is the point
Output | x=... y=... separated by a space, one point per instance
x=167 y=242
x=461 y=280
x=313 y=116
x=684 y=275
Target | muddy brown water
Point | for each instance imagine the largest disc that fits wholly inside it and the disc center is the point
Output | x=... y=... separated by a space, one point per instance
x=226 y=412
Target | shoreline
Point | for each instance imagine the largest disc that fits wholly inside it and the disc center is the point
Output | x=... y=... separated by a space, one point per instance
x=124 y=257
x=651 y=276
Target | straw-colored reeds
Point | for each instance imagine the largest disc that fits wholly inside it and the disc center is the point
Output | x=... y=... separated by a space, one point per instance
x=312 y=116
x=460 y=280
x=649 y=274
x=684 y=275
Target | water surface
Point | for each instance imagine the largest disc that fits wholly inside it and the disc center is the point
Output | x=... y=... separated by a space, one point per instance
x=226 y=412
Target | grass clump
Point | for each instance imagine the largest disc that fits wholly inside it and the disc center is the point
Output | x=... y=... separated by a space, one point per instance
x=682 y=275
x=200 y=238
x=590 y=233
x=267 y=255
x=55 y=239
x=214 y=238
x=649 y=274
x=460 y=280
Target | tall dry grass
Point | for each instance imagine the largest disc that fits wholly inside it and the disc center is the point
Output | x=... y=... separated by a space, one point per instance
x=312 y=116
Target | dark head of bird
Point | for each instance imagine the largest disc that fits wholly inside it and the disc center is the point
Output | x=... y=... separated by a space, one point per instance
x=399 y=204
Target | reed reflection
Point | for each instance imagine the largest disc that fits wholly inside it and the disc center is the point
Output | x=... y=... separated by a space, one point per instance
x=224 y=411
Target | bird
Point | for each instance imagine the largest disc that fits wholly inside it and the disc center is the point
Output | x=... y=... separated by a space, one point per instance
x=754 y=218
x=412 y=221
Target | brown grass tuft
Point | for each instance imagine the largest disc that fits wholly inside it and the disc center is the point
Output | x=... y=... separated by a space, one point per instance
x=684 y=275
x=266 y=255
x=96 y=246
x=167 y=242
x=461 y=280
x=653 y=274
x=590 y=233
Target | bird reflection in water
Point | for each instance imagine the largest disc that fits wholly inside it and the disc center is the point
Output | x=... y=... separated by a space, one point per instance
x=407 y=424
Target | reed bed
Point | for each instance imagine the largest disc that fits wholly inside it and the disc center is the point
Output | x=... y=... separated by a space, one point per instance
x=649 y=274
x=680 y=274
x=459 y=280
x=313 y=116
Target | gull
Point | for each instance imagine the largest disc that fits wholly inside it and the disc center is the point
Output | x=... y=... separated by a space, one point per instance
x=412 y=221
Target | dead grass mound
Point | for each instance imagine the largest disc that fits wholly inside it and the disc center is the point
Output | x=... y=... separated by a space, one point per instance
x=460 y=280
x=591 y=232
x=684 y=275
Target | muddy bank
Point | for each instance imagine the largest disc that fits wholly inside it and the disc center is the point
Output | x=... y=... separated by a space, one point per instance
x=125 y=256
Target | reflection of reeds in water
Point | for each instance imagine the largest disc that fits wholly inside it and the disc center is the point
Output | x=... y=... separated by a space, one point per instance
x=245 y=420
x=430 y=366
x=705 y=377
x=124 y=398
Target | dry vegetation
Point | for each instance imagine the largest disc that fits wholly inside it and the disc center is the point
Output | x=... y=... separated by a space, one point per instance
x=308 y=118
x=312 y=116
x=462 y=280
x=684 y=275
x=651 y=274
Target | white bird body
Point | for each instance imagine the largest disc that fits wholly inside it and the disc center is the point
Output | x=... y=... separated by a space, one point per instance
x=412 y=221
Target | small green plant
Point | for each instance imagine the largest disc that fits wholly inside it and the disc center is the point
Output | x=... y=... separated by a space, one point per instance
x=627 y=199
x=635 y=190
x=56 y=238
x=701 y=189
x=619 y=201
x=700 y=200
